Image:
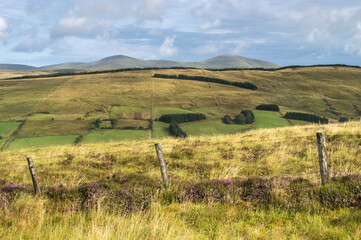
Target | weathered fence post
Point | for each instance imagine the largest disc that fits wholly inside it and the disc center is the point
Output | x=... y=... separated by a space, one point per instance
x=163 y=169
x=33 y=176
x=322 y=155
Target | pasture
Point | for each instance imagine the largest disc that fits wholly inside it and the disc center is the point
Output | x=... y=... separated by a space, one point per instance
x=41 y=142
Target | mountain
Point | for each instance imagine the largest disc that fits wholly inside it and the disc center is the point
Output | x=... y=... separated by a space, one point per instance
x=16 y=67
x=230 y=61
x=70 y=65
x=121 y=61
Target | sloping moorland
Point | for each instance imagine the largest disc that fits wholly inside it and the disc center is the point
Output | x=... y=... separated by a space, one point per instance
x=69 y=105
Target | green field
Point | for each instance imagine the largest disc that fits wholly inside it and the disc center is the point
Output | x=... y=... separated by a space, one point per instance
x=40 y=142
x=114 y=135
x=1 y=141
x=269 y=119
x=160 y=129
x=211 y=127
x=6 y=128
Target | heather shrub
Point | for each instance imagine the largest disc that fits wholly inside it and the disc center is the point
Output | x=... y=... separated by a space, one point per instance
x=256 y=190
x=342 y=192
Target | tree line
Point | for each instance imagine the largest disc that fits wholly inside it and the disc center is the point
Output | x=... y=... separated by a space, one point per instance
x=246 y=85
x=176 y=131
x=268 y=107
x=182 y=118
x=306 y=117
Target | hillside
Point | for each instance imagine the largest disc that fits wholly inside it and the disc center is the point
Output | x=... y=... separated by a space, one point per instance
x=261 y=184
x=121 y=61
x=62 y=110
x=16 y=67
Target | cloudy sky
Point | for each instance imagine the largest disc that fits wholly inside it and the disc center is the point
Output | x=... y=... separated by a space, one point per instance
x=42 y=32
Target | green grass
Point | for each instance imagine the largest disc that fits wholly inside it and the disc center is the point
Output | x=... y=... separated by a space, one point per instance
x=160 y=129
x=114 y=136
x=169 y=110
x=1 y=141
x=269 y=119
x=6 y=128
x=211 y=127
x=40 y=142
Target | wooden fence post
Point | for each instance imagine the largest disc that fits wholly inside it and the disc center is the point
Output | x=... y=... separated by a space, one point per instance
x=33 y=176
x=163 y=169
x=322 y=155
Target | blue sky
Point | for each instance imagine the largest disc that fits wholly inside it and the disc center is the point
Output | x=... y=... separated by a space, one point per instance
x=42 y=32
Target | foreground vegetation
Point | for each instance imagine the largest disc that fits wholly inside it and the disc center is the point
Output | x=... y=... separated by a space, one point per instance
x=261 y=184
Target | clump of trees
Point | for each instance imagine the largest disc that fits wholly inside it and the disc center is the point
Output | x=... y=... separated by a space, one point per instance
x=246 y=85
x=176 y=131
x=268 y=107
x=245 y=117
x=306 y=117
x=182 y=118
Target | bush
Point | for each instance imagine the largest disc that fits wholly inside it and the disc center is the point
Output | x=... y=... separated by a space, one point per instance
x=114 y=122
x=240 y=119
x=249 y=116
x=268 y=107
x=342 y=119
x=1 y=137
x=227 y=119
x=97 y=123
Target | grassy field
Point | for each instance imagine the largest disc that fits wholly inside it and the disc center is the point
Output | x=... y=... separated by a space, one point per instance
x=40 y=142
x=6 y=128
x=112 y=191
x=114 y=136
x=211 y=127
x=269 y=119
x=49 y=127
x=160 y=129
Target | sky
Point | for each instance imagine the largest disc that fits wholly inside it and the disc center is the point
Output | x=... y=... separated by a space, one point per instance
x=294 y=32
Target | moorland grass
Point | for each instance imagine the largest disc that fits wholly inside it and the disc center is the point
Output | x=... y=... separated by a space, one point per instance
x=269 y=119
x=41 y=142
x=74 y=180
x=114 y=136
x=55 y=127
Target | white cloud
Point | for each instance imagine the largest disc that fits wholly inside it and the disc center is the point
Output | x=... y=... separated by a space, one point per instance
x=208 y=49
x=240 y=48
x=210 y=25
x=34 y=44
x=168 y=48
x=151 y=9
x=3 y=28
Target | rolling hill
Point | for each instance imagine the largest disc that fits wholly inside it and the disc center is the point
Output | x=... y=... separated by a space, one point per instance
x=16 y=67
x=121 y=61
